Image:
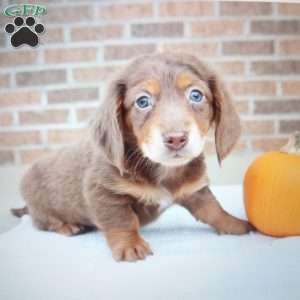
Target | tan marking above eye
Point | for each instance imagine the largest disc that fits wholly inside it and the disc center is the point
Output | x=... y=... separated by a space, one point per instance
x=184 y=80
x=152 y=86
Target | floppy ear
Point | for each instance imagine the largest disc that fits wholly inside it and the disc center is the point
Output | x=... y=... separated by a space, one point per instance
x=227 y=121
x=107 y=125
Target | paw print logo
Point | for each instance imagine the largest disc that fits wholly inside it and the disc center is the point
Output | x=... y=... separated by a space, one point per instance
x=24 y=33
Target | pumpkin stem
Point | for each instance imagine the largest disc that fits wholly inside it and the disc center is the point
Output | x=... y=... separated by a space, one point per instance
x=293 y=144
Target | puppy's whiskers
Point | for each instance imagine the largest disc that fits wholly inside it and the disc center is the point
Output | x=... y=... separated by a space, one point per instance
x=140 y=160
x=132 y=154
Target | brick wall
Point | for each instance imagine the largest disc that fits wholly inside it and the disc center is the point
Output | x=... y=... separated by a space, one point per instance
x=47 y=94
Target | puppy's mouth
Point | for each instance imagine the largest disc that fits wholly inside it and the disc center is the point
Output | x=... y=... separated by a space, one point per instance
x=175 y=150
x=176 y=158
x=176 y=154
x=169 y=158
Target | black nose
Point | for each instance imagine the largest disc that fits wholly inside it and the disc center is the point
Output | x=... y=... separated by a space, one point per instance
x=175 y=140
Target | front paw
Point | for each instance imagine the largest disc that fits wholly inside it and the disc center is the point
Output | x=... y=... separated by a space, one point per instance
x=128 y=246
x=232 y=225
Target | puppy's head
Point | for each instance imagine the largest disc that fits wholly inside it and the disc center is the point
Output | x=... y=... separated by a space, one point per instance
x=166 y=103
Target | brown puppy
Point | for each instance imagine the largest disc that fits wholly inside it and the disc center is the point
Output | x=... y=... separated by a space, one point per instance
x=144 y=154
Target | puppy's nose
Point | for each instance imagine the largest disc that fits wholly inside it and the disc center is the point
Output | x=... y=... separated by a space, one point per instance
x=175 y=140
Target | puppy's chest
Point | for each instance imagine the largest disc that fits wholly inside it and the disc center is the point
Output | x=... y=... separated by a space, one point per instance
x=164 y=194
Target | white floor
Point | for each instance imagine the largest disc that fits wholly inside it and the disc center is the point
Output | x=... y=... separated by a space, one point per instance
x=9 y=195
x=190 y=262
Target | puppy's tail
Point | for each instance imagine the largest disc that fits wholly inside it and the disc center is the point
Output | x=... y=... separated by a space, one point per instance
x=20 y=212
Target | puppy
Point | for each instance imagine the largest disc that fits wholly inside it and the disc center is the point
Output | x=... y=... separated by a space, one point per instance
x=143 y=154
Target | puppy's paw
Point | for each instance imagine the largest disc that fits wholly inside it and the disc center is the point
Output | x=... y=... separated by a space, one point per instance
x=70 y=229
x=137 y=250
x=232 y=225
x=128 y=246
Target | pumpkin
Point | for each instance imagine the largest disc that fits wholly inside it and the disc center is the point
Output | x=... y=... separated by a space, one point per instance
x=272 y=191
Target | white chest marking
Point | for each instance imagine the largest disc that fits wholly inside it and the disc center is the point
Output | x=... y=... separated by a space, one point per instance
x=165 y=202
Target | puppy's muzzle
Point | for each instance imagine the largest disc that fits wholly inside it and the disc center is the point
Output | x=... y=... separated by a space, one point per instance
x=175 y=141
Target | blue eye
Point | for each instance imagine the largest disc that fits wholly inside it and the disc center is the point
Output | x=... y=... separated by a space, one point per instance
x=143 y=102
x=195 y=96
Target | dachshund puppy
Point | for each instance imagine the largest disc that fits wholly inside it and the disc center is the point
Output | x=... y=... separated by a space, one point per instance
x=143 y=153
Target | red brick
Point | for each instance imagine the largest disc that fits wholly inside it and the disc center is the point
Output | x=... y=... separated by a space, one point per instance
x=289 y=9
x=65 y=136
x=291 y=88
x=268 y=144
x=289 y=126
x=187 y=8
x=4 y=80
x=20 y=57
x=70 y=55
x=11 y=99
x=248 y=47
x=169 y=30
x=230 y=67
x=278 y=67
x=253 y=88
x=2 y=39
x=119 y=52
x=13 y=138
x=68 y=14
x=94 y=74
x=6 y=119
x=43 y=117
x=41 y=77
x=84 y=114
x=52 y=35
x=275 y=27
x=289 y=47
x=277 y=106
x=258 y=127
x=125 y=11
x=92 y=33
x=234 y=8
x=73 y=95
x=242 y=107
x=217 y=28
x=198 y=49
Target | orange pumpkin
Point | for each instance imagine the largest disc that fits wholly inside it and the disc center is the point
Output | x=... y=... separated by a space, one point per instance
x=272 y=191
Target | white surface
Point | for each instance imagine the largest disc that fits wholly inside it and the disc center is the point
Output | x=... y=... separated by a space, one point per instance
x=190 y=262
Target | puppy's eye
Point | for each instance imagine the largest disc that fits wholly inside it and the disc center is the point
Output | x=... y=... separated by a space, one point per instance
x=143 y=102
x=195 y=96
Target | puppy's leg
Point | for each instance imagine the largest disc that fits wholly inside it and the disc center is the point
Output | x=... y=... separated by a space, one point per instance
x=49 y=222
x=123 y=237
x=113 y=214
x=204 y=207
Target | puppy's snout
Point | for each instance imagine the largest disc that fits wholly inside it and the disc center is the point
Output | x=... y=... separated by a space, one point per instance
x=175 y=140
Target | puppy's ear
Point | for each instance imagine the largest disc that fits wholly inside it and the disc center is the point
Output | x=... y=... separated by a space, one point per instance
x=107 y=124
x=227 y=121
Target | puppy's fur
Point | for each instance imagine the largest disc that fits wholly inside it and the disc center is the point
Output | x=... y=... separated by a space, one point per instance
x=122 y=176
